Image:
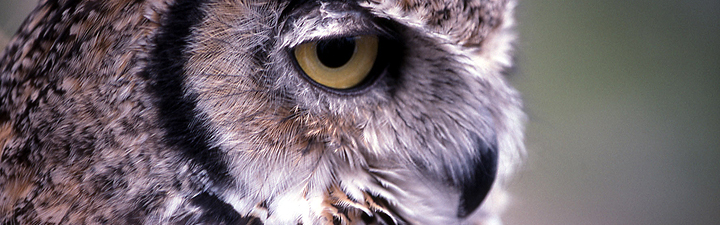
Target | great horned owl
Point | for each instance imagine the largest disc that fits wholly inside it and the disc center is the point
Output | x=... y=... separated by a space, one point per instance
x=259 y=112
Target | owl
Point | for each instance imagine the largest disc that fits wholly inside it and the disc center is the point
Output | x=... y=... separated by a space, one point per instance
x=259 y=112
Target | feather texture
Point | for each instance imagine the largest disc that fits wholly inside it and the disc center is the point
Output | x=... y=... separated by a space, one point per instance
x=195 y=112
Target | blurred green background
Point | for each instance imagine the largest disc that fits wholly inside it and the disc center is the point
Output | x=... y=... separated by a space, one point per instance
x=12 y=13
x=624 y=105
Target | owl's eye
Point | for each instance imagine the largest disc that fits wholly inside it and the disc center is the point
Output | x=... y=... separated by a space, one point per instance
x=340 y=63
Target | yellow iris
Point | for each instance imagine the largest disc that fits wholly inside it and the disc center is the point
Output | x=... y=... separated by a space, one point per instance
x=342 y=76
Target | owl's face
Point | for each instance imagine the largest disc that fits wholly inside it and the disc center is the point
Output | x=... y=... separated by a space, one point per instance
x=378 y=97
x=283 y=112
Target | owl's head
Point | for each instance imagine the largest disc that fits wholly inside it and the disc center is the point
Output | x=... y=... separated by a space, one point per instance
x=289 y=102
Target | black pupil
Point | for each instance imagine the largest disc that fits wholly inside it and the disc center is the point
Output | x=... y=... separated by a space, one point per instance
x=336 y=52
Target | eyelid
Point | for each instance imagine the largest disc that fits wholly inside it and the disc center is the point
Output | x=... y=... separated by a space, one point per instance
x=302 y=25
x=382 y=35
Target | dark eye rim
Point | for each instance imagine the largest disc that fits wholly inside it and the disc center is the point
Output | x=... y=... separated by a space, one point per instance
x=387 y=53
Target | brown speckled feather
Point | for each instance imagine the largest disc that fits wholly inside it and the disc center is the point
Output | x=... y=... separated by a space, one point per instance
x=197 y=112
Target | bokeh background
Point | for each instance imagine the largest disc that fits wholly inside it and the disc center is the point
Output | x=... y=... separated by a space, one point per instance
x=624 y=105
